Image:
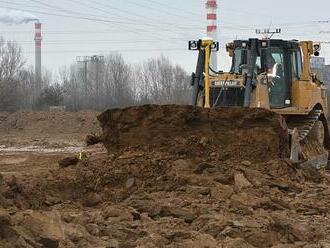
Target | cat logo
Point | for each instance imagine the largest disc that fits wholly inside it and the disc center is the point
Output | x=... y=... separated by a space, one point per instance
x=228 y=83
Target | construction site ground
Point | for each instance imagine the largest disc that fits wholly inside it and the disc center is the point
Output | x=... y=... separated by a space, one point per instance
x=165 y=176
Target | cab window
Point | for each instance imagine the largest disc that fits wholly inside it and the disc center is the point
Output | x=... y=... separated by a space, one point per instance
x=239 y=58
x=294 y=66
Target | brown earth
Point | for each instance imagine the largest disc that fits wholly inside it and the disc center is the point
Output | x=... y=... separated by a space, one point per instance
x=46 y=129
x=173 y=176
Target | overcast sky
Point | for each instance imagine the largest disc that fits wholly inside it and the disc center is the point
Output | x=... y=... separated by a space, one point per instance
x=141 y=29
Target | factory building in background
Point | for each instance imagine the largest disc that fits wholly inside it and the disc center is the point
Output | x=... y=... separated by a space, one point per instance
x=322 y=70
x=318 y=66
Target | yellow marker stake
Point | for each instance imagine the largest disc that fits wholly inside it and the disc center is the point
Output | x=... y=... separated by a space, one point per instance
x=82 y=155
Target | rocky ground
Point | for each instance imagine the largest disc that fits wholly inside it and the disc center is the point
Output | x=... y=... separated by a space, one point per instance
x=171 y=177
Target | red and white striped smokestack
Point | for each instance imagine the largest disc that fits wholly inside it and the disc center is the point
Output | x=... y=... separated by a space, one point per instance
x=212 y=28
x=38 y=39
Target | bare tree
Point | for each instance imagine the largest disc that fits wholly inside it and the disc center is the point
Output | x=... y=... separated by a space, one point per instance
x=27 y=85
x=11 y=60
x=162 y=82
x=73 y=87
x=52 y=95
x=114 y=83
x=117 y=81
x=106 y=83
x=11 y=64
x=10 y=95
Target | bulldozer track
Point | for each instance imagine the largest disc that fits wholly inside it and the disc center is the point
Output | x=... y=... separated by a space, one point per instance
x=306 y=124
x=312 y=151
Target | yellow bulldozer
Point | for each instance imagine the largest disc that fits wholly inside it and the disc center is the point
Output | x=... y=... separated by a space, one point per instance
x=271 y=74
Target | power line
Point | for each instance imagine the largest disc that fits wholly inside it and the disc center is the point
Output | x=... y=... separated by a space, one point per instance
x=132 y=50
x=174 y=8
x=75 y=17
x=63 y=42
x=162 y=11
x=107 y=5
x=187 y=11
x=69 y=32
x=171 y=30
x=101 y=19
x=82 y=16
x=24 y=5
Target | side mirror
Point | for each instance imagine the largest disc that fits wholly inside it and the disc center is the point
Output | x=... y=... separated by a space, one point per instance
x=317 y=49
x=194 y=45
x=215 y=46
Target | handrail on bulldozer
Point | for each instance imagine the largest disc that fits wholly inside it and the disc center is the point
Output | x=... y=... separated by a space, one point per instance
x=205 y=47
x=206 y=44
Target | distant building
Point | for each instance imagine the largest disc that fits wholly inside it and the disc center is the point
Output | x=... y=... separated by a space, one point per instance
x=318 y=66
x=326 y=74
x=317 y=62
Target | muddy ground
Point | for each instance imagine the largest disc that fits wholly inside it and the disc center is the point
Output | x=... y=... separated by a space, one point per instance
x=170 y=176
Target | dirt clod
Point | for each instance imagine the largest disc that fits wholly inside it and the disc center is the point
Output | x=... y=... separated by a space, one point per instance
x=66 y=162
x=92 y=200
x=130 y=183
x=93 y=140
x=246 y=163
x=241 y=182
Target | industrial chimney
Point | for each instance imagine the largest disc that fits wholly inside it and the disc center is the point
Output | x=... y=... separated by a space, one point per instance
x=212 y=28
x=38 y=39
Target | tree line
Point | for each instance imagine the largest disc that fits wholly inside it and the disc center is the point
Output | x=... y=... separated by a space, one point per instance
x=103 y=82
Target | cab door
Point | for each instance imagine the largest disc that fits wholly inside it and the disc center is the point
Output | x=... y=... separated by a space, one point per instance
x=280 y=87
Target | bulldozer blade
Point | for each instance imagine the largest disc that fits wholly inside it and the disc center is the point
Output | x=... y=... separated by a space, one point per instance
x=252 y=133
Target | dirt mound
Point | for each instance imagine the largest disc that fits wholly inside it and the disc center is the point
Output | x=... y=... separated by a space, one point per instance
x=244 y=133
x=163 y=183
x=46 y=128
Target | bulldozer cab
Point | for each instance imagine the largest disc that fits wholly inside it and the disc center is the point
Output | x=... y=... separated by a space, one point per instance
x=264 y=73
x=280 y=60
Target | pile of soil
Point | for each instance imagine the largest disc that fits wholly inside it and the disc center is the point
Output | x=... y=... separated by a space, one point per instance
x=246 y=132
x=46 y=128
x=175 y=176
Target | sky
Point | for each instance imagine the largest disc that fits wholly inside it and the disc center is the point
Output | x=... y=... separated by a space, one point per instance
x=143 y=29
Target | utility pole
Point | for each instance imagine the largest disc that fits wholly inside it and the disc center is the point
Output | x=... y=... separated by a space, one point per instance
x=84 y=60
x=97 y=60
x=267 y=33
